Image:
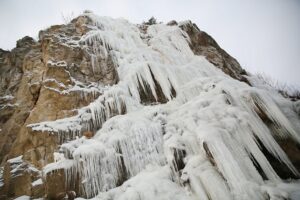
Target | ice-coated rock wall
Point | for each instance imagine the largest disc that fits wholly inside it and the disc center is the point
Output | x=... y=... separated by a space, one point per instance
x=164 y=122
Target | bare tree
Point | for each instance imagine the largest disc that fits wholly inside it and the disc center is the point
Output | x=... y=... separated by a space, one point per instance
x=67 y=18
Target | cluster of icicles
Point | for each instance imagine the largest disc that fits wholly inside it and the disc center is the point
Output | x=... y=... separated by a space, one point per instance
x=202 y=144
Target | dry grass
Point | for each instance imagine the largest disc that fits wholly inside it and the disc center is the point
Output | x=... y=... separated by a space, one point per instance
x=286 y=90
x=67 y=17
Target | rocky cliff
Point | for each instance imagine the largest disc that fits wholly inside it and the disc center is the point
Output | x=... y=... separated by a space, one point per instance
x=103 y=108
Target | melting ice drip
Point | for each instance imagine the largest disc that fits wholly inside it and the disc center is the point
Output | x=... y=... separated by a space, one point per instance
x=207 y=139
x=121 y=149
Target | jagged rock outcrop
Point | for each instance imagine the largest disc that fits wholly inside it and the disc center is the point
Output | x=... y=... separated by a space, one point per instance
x=203 y=44
x=93 y=104
x=42 y=81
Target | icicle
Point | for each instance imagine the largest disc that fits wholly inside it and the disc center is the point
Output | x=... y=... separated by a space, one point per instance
x=208 y=139
x=120 y=150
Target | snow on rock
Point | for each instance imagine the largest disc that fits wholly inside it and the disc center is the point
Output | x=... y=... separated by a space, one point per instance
x=18 y=165
x=152 y=183
x=37 y=182
x=62 y=164
x=24 y=197
x=1 y=176
x=112 y=102
x=203 y=142
x=15 y=160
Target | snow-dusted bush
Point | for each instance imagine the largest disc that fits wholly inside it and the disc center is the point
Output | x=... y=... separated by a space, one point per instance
x=287 y=90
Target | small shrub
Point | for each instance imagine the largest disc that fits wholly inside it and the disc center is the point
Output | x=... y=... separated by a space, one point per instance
x=151 y=21
x=286 y=90
x=67 y=18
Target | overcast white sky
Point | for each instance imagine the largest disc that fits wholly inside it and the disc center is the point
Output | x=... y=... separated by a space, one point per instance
x=263 y=35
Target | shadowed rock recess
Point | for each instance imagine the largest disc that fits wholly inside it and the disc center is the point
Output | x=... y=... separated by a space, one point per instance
x=102 y=108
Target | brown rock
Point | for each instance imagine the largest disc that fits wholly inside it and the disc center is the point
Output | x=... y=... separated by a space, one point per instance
x=34 y=77
x=88 y=134
x=18 y=177
x=57 y=186
x=203 y=44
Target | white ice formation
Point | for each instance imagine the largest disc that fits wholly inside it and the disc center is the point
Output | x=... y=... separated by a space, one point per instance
x=204 y=141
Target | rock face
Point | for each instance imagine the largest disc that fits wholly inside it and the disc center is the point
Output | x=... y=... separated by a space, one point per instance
x=42 y=81
x=63 y=134
x=203 y=44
